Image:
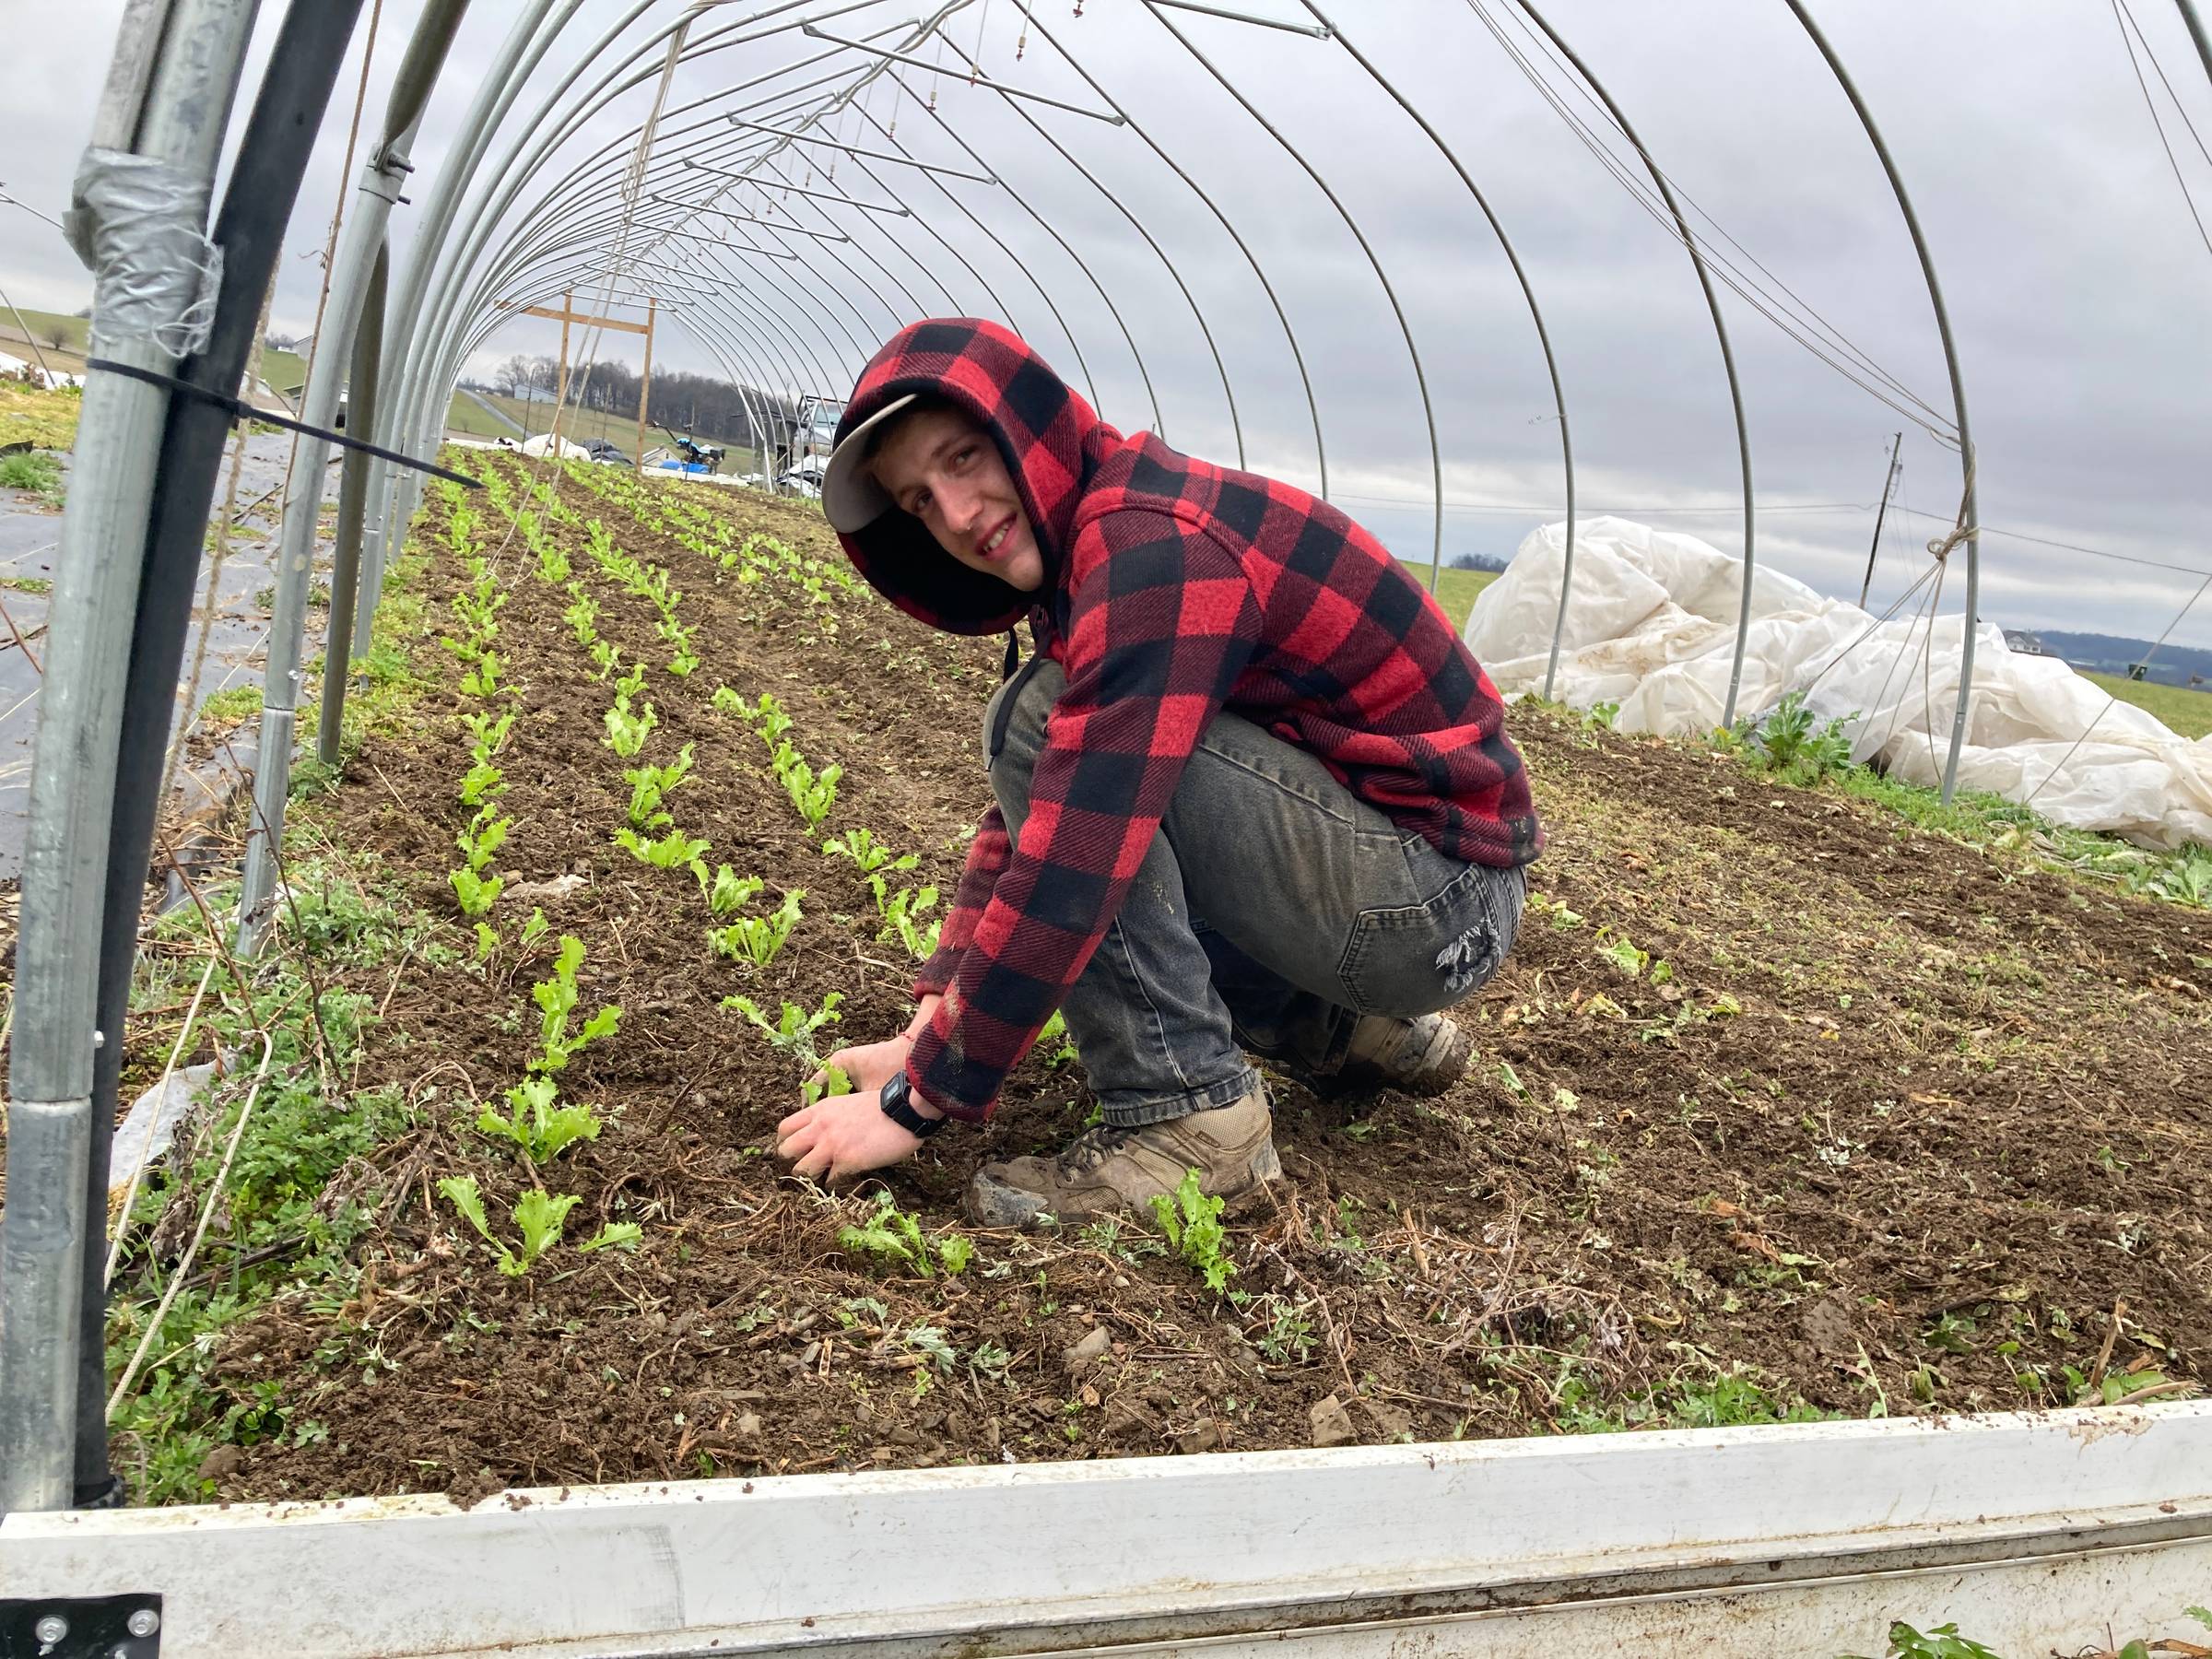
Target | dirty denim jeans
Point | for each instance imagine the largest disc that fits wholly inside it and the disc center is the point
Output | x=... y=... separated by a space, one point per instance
x=1273 y=909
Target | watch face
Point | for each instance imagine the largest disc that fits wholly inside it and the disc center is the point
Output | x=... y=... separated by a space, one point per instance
x=895 y=1091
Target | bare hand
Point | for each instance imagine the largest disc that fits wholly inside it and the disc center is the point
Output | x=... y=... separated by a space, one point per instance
x=870 y=1066
x=843 y=1136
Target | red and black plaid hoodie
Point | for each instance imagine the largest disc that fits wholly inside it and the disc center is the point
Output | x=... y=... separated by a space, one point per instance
x=1173 y=589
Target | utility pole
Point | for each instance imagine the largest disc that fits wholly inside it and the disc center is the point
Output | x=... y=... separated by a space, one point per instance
x=1889 y=482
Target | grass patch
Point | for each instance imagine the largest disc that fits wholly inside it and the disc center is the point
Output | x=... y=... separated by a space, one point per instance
x=285 y=1227
x=33 y=469
x=27 y=584
x=302 y=1194
x=1725 y=1400
x=1455 y=590
x=46 y=418
x=231 y=706
x=2188 y=712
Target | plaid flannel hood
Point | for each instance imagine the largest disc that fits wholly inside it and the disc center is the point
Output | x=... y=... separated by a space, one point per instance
x=1053 y=442
x=1175 y=589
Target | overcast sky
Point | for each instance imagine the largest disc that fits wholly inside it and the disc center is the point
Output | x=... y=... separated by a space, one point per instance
x=2079 y=285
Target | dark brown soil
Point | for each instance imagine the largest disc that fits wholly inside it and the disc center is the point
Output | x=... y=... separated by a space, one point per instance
x=1898 y=1126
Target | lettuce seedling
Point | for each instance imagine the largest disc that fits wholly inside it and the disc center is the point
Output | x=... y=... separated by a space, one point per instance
x=902 y=921
x=490 y=733
x=862 y=847
x=1192 y=1223
x=793 y=1032
x=758 y=939
x=728 y=701
x=605 y=655
x=832 y=1081
x=626 y=732
x=894 y=1237
x=537 y=1215
x=535 y=1123
x=630 y=684
x=483 y=680
x=555 y=998
x=811 y=794
x=583 y=614
x=541 y=1216
x=484 y=836
x=1053 y=1039
x=649 y=784
x=674 y=851
x=481 y=783
x=625 y=1233
x=475 y=893
x=728 y=889
x=769 y=720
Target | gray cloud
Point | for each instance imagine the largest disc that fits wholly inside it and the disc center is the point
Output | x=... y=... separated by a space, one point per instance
x=2075 y=277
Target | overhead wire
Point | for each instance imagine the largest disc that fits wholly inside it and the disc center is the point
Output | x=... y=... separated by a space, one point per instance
x=1811 y=314
x=2157 y=121
x=1882 y=387
x=2180 y=108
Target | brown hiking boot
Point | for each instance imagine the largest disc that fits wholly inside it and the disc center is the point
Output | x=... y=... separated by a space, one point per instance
x=1105 y=1170
x=1422 y=1056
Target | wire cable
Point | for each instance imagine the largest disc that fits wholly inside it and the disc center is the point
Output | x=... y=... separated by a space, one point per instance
x=1890 y=392
x=2157 y=121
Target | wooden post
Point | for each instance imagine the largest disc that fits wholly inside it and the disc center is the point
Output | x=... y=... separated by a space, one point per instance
x=560 y=394
x=645 y=384
x=566 y=315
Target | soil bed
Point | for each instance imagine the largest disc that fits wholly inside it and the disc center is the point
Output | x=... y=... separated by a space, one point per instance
x=1781 y=1107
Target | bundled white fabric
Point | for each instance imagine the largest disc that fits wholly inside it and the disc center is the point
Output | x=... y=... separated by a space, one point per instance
x=543 y=442
x=1652 y=625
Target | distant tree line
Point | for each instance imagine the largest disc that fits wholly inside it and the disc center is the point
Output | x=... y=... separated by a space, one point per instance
x=681 y=402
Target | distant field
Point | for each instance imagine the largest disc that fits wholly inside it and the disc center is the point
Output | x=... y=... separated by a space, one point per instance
x=1455 y=590
x=2187 y=712
x=580 y=425
x=286 y=372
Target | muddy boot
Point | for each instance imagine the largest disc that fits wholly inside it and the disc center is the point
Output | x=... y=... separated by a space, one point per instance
x=1106 y=1170
x=1421 y=1056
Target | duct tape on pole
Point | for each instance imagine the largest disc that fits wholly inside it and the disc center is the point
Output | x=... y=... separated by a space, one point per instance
x=139 y=222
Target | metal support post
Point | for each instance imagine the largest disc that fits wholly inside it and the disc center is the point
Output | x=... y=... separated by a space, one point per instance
x=353 y=485
x=382 y=177
x=139 y=220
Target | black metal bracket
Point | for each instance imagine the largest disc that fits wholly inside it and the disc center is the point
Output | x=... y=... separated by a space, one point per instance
x=92 y=1627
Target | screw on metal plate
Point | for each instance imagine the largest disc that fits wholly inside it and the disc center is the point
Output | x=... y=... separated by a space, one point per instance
x=93 y=1627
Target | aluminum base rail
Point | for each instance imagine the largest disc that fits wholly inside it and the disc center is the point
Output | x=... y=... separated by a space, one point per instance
x=2035 y=1532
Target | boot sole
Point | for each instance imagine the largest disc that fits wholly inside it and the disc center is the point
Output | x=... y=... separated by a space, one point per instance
x=1444 y=1064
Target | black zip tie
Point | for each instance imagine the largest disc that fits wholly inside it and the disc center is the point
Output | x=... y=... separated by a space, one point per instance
x=242 y=410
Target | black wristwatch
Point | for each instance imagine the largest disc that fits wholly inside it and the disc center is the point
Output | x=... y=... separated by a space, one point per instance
x=897 y=1101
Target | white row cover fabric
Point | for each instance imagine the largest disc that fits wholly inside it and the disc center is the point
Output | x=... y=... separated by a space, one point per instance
x=51 y=380
x=1651 y=625
x=543 y=442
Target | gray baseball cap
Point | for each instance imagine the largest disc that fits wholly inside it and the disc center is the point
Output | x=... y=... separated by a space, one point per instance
x=852 y=499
